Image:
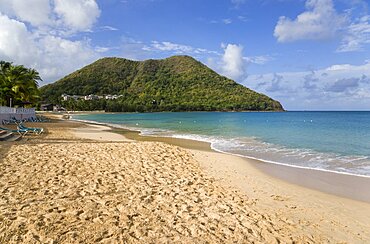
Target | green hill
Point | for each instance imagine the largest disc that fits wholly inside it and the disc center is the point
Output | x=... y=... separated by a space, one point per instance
x=178 y=83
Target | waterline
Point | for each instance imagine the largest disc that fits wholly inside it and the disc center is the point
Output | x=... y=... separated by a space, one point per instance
x=326 y=143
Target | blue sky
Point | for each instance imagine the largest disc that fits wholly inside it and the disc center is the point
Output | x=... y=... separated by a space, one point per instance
x=308 y=54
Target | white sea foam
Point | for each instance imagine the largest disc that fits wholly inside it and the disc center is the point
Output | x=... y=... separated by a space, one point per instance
x=298 y=158
x=113 y=125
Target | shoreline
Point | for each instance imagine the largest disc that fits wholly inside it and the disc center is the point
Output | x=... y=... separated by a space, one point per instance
x=138 y=130
x=300 y=204
x=340 y=184
x=81 y=182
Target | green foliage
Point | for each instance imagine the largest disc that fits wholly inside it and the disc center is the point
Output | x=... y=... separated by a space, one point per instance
x=18 y=84
x=178 y=83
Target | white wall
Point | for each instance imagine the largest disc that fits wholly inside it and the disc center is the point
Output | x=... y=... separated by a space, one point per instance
x=18 y=113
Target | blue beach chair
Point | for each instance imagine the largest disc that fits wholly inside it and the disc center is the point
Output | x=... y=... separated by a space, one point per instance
x=37 y=131
x=21 y=132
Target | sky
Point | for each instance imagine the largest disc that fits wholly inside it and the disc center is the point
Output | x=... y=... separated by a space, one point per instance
x=307 y=54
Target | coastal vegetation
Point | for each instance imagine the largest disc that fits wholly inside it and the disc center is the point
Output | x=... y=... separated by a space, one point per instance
x=178 y=83
x=18 y=85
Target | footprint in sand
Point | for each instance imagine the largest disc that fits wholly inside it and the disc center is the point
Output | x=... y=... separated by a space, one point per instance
x=279 y=198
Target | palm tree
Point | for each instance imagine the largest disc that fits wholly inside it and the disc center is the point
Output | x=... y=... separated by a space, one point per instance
x=32 y=93
x=18 y=83
x=5 y=86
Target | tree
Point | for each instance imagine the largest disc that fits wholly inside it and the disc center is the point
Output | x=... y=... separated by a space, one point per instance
x=5 y=87
x=18 y=84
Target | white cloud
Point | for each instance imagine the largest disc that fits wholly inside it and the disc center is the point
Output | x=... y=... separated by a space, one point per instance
x=233 y=61
x=25 y=10
x=169 y=46
x=102 y=49
x=175 y=48
x=242 y=18
x=337 y=67
x=340 y=86
x=61 y=56
x=108 y=28
x=319 y=21
x=322 y=21
x=63 y=15
x=79 y=15
x=358 y=35
x=227 y=21
x=52 y=56
x=261 y=59
x=348 y=68
x=16 y=42
x=33 y=34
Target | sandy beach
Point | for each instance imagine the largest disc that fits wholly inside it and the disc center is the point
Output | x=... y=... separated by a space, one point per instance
x=85 y=183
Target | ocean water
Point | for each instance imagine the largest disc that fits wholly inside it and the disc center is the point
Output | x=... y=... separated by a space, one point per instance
x=330 y=141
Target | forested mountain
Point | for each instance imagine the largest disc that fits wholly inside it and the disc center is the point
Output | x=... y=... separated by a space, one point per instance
x=178 y=83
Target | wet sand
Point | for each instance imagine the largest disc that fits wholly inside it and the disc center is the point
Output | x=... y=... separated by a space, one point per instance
x=348 y=186
x=64 y=188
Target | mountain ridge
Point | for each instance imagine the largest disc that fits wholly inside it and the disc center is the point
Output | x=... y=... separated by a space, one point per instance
x=177 y=83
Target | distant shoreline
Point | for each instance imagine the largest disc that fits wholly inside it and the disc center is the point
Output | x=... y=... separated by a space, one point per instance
x=205 y=111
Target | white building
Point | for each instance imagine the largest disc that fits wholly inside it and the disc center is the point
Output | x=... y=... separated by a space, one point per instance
x=66 y=97
x=91 y=97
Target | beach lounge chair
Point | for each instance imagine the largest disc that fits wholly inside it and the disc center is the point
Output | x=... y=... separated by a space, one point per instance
x=42 y=119
x=37 y=131
x=37 y=119
x=14 y=120
x=21 y=132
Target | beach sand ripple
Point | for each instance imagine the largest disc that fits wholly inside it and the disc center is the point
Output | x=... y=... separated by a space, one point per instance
x=144 y=192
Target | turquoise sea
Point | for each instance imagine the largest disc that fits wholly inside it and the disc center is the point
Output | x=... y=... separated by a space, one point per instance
x=331 y=141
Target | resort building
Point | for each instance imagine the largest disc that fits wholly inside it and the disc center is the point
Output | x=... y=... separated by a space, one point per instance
x=66 y=97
